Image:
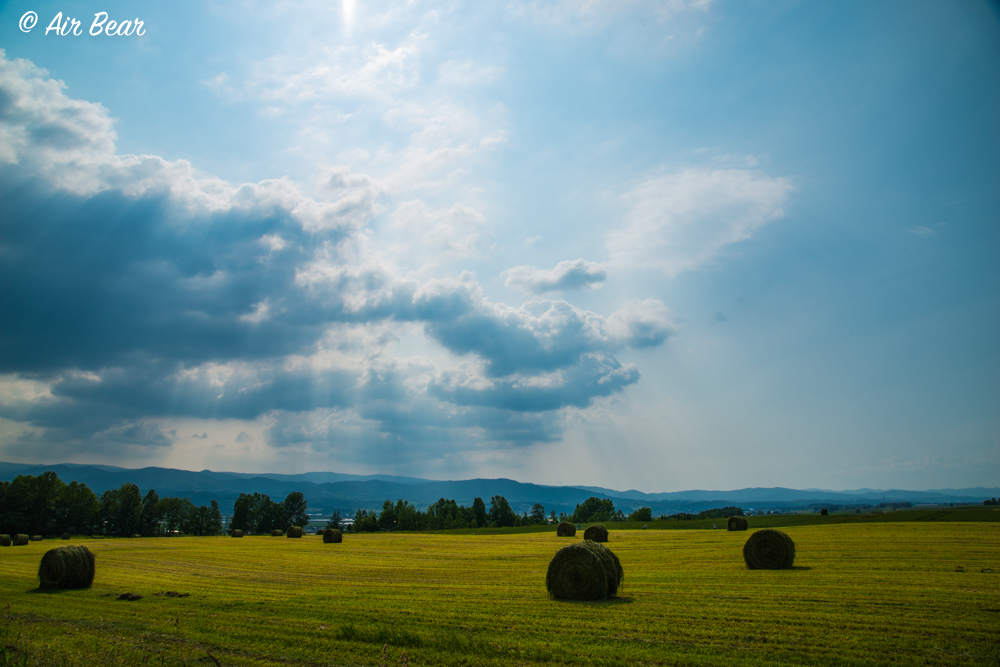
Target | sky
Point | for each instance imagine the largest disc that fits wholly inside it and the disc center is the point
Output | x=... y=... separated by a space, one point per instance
x=655 y=245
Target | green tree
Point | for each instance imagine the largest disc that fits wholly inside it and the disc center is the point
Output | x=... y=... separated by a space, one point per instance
x=78 y=510
x=479 y=512
x=149 y=514
x=129 y=507
x=293 y=509
x=594 y=509
x=216 y=519
x=537 y=513
x=175 y=513
x=641 y=514
x=336 y=522
x=365 y=522
x=387 y=519
x=407 y=516
x=501 y=515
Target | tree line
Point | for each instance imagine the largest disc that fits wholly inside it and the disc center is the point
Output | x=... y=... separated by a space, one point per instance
x=45 y=505
x=445 y=514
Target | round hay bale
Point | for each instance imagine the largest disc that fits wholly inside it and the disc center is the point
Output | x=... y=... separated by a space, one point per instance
x=66 y=536
x=566 y=529
x=5 y=540
x=769 y=549
x=596 y=533
x=736 y=523
x=236 y=532
x=66 y=567
x=136 y=535
x=586 y=570
x=333 y=536
x=294 y=531
x=20 y=540
x=277 y=533
x=36 y=538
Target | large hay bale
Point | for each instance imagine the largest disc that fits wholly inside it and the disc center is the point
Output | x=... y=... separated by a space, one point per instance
x=66 y=536
x=294 y=531
x=769 y=549
x=20 y=540
x=586 y=570
x=736 y=523
x=333 y=536
x=66 y=567
x=596 y=533
x=566 y=529
x=236 y=532
x=5 y=540
x=36 y=538
x=277 y=533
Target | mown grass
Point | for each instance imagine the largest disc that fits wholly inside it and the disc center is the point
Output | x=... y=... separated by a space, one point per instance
x=861 y=594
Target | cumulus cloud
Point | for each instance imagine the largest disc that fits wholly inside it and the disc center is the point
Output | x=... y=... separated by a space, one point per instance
x=567 y=275
x=682 y=221
x=138 y=291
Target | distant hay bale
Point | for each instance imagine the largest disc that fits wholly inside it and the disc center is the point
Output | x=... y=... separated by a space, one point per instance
x=66 y=536
x=66 y=567
x=277 y=533
x=736 y=523
x=566 y=529
x=5 y=540
x=236 y=532
x=294 y=531
x=20 y=540
x=333 y=536
x=136 y=535
x=596 y=533
x=585 y=570
x=769 y=549
x=36 y=538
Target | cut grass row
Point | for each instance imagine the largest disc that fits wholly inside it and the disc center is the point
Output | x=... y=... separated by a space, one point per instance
x=868 y=593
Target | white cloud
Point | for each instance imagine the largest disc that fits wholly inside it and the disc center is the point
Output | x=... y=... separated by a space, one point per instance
x=682 y=221
x=567 y=275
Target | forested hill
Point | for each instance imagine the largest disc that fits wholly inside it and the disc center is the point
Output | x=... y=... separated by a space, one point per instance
x=328 y=491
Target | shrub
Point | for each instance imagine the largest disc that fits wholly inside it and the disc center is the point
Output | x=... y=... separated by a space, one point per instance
x=277 y=533
x=566 y=529
x=823 y=511
x=736 y=523
x=294 y=531
x=66 y=567
x=586 y=570
x=769 y=549
x=5 y=540
x=20 y=540
x=596 y=533
x=332 y=536
x=236 y=532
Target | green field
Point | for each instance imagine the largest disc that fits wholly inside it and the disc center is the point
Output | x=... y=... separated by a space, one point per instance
x=880 y=593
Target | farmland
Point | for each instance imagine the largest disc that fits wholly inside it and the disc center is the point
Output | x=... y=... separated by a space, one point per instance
x=885 y=592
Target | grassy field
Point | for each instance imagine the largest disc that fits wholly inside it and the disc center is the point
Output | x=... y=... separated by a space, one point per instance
x=879 y=593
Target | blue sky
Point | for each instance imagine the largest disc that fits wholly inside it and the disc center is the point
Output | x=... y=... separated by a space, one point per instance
x=653 y=245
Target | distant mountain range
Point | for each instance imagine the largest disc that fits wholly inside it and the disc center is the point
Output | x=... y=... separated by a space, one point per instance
x=329 y=491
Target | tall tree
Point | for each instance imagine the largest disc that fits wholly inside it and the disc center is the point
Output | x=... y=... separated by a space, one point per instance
x=501 y=515
x=479 y=510
x=149 y=514
x=293 y=509
x=537 y=513
x=78 y=510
